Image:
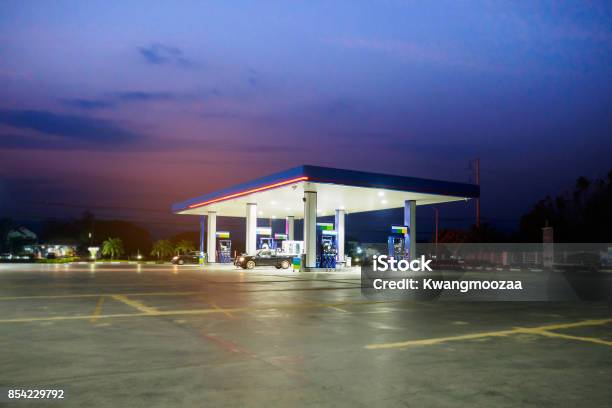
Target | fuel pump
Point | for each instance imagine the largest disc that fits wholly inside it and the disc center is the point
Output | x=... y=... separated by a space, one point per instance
x=266 y=243
x=327 y=249
x=224 y=247
x=293 y=247
x=278 y=241
x=396 y=242
x=264 y=238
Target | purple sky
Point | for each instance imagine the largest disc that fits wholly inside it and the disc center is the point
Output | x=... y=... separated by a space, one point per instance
x=140 y=104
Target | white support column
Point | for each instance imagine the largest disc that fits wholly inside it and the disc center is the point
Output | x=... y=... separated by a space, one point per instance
x=211 y=235
x=202 y=235
x=339 y=224
x=289 y=227
x=310 y=225
x=410 y=222
x=251 y=228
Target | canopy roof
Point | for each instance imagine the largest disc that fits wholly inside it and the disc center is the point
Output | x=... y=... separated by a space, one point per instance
x=280 y=194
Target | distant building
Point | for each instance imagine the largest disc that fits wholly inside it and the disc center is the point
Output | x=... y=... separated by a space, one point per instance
x=23 y=243
x=21 y=234
x=14 y=241
x=50 y=251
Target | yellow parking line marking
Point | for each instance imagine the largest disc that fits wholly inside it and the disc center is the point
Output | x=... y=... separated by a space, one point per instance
x=88 y=295
x=438 y=340
x=570 y=337
x=151 y=312
x=186 y=293
x=76 y=317
x=48 y=297
x=98 y=309
x=135 y=304
x=582 y=323
x=499 y=333
x=224 y=311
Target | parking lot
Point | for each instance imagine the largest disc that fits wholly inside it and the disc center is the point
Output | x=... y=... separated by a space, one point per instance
x=149 y=335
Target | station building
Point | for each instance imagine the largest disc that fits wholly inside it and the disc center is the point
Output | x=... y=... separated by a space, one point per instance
x=307 y=192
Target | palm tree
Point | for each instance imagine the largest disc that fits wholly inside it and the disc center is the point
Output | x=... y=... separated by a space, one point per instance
x=112 y=247
x=162 y=249
x=184 y=246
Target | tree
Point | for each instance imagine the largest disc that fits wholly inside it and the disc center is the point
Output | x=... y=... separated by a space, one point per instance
x=135 y=239
x=112 y=247
x=162 y=249
x=77 y=231
x=580 y=215
x=5 y=226
x=184 y=246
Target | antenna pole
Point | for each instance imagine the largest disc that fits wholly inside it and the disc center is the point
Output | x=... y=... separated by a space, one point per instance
x=477 y=171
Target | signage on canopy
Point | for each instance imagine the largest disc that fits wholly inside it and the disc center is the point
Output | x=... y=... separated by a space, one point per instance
x=264 y=231
x=399 y=230
x=325 y=226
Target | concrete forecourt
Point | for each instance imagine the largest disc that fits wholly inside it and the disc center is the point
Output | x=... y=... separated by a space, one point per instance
x=162 y=336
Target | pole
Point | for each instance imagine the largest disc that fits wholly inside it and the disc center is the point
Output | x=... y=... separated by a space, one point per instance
x=202 y=231
x=410 y=222
x=477 y=169
x=251 y=228
x=339 y=225
x=436 y=212
x=310 y=225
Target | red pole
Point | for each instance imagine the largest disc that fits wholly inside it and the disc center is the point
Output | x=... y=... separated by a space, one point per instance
x=436 y=214
x=477 y=169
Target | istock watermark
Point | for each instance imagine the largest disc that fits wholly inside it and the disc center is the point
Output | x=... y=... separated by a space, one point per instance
x=383 y=263
x=428 y=278
x=488 y=272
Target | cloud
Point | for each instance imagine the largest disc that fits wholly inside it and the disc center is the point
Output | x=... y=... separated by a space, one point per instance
x=112 y=100
x=140 y=96
x=89 y=104
x=77 y=128
x=13 y=141
x=46 y=142
x=160 y=54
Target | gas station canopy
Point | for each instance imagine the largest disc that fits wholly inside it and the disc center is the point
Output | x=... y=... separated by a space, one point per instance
x=281 y=194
